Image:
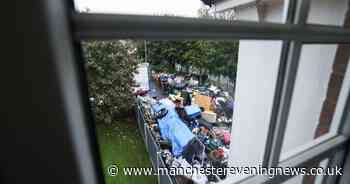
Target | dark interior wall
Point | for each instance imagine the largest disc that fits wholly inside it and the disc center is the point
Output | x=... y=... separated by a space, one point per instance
x=43 y=138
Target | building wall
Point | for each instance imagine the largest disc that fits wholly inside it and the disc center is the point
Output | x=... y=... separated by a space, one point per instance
x=249 y=13
x=224 y=5
x=255 y=83
x=256 y=77
x=329 y=12
x=247 y=9
x=275 y=11
x=311 y=86
x=315 y=67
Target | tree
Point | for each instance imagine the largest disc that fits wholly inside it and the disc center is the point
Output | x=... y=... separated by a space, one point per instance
x=218 y=58
x=163 y=55
x=110 y=67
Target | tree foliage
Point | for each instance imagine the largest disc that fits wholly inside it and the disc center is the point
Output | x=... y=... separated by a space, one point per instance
x=110 y=66
x=217 y=58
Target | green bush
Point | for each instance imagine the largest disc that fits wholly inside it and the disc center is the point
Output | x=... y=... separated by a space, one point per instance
x=110 y=66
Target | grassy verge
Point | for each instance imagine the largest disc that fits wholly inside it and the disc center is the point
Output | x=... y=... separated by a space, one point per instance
x=121 y=144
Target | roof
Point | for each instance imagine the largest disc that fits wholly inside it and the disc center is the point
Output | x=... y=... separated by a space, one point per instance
x=210 y=2
x=235 y=3
x=223 y=5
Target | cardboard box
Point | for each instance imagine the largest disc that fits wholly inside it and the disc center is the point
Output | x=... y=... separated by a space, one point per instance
x=209 y=116
x=203 y=101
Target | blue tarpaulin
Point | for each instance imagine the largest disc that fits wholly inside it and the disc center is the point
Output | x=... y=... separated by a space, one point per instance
x=173 y=129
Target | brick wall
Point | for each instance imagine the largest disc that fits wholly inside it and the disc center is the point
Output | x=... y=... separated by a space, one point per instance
x=340 y=64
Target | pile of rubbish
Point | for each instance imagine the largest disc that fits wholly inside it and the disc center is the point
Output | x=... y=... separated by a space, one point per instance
x=171 y=82
x=217 y=104
x=191 y=126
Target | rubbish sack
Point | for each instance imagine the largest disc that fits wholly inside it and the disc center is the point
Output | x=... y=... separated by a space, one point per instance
x=194 y=149
x=196 y=177
x=226 y=138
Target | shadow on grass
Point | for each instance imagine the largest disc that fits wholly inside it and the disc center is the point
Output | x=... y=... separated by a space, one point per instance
x=122 y=144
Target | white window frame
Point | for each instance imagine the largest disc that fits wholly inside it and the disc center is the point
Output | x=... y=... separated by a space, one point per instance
x=294 y=33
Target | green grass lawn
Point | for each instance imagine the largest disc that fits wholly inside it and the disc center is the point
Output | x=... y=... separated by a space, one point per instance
x=122 y=144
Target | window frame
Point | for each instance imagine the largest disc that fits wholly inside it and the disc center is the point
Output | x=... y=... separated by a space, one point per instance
x=294 y=33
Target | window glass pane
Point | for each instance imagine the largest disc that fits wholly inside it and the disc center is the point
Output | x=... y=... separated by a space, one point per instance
x=262 y=11
x=193 y=81
x=220 y=91
x=109 y=66
x=329 y=12
x=150 y=7
x=256 y=79
x=313 y=175
x=320 y=92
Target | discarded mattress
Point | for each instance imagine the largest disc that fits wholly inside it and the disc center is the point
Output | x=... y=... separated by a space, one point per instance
x=173 y=129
